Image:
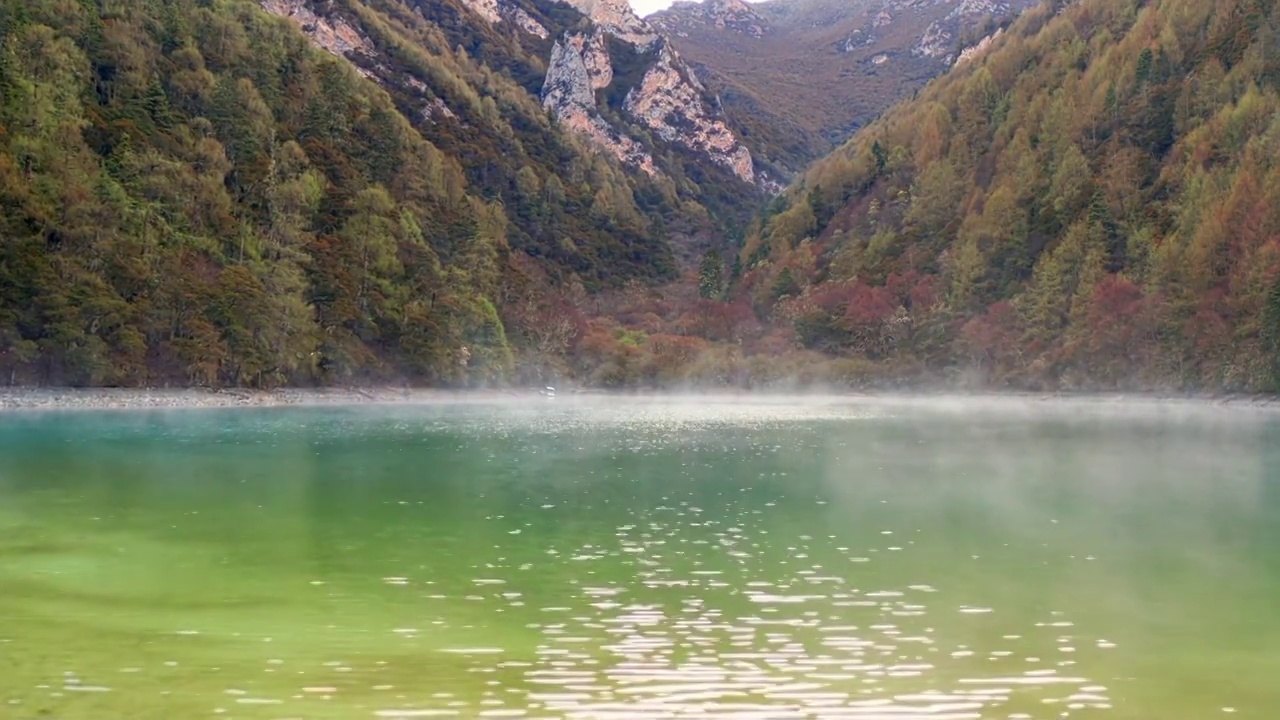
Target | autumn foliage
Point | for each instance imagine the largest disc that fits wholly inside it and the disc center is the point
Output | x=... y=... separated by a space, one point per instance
x=1093 y=203
x=192 y=193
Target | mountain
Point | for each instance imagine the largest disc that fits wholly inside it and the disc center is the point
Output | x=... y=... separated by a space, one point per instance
x=596 y=67
x=799 y=75
x=1092 y=202
x=465 y=192
x=226 y=192
x=621 y=74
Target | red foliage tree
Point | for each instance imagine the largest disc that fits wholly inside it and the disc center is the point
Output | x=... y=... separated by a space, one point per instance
x=870 y=306
x=1116 y=329
x=718 y=321
x=991 y=340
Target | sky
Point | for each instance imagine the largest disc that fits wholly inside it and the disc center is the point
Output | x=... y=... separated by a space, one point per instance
x=644 y=7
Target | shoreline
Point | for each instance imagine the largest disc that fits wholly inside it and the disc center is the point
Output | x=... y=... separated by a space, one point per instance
x=28 y=399
x=42 y=398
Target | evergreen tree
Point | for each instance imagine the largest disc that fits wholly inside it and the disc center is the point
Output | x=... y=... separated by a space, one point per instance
x=711 y=275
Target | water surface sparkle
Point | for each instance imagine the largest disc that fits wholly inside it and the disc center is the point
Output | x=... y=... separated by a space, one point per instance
x=766 y=558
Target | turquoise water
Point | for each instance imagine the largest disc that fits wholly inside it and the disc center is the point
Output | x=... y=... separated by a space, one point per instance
x=626 y=559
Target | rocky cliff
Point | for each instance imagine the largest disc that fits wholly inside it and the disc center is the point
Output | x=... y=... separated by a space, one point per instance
x=617 y=17
x=753 y=90
x=495 y=11
x=668 y=100
x=335 y=35
x=603 y=73
x=579 y=66
x=341 y=35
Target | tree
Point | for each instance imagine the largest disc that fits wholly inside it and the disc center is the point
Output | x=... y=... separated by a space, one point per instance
x=1142 y=73
x=990 y=340
x=935 y=199
x=1271 y=334
x=711 y=275
x=881 y=157
x=784 y=285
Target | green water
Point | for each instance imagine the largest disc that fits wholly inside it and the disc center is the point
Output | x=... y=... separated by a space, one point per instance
x=625 y=560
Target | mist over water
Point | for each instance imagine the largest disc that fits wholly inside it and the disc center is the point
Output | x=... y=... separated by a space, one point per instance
x=628 y=557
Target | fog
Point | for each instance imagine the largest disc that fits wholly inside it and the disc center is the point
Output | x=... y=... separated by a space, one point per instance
x=647 y=555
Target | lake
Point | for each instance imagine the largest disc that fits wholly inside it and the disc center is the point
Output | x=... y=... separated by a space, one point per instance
x=626 y=558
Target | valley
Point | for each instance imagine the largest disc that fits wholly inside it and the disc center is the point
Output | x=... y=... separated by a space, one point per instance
x=465 y=193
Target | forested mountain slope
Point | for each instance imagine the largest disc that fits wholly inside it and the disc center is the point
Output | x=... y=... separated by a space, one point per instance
x=196 y=192
x=1093 y=203
x=225 y=192
x=192 y=192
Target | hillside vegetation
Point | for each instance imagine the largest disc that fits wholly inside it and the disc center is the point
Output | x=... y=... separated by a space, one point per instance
x=1093 y=204
x=191 y=192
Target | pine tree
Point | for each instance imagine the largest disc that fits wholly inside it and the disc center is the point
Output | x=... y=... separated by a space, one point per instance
x=881 y=157
x=711 y=275
x=785 y=285
x=1271 y=334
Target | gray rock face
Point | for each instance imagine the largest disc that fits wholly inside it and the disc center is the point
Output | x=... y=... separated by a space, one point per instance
x=807 y=73
x=336 y=36
x=668 y=100
x=617 y=17
x=495 y=11
x=946 y=21
x=568 y=93
x=670 y=104
x=568 y=82
x=940 y=38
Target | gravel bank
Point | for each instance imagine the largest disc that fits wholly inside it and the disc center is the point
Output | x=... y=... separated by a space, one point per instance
x=137 y=398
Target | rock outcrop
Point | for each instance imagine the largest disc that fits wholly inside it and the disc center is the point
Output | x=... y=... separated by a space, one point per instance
x=337 y=36
x=940 y=39
x=796 y=76
x=594 y=49
x=981 y=48
x=943 y=22
x=617 y=17
x=569 y=94
x=495 y=11
x=664 y=97
x=935 y=43
x=669 y=102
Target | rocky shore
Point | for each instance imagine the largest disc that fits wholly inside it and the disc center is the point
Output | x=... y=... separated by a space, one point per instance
x=42 y=398
x=145 y=398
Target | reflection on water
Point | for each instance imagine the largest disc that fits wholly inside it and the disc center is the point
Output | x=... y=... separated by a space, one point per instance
x=732 y=560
